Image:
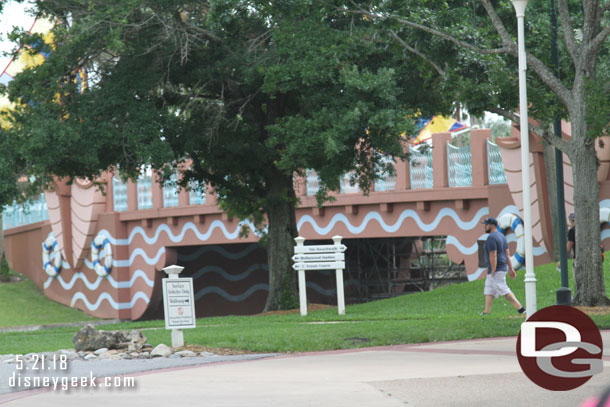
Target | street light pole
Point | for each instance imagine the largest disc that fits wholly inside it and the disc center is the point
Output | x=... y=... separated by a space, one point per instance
x=530 y=277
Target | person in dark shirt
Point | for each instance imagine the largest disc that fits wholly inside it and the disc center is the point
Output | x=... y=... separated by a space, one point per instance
x=498 y=261
x=571 y=244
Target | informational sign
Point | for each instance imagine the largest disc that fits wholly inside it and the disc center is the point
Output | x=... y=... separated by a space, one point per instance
x=320 y=257
x=319 y=266
x=179 y=303
x=320 y=248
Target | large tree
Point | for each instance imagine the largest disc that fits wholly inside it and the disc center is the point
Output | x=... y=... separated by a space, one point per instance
x=239 y=94
x=479 y=59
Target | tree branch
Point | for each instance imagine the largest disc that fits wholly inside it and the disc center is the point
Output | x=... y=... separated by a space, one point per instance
x=429 y=30
x=543 y=72
x=598 y=40
x=559 y=143
x=438 y=69
x=568 y=31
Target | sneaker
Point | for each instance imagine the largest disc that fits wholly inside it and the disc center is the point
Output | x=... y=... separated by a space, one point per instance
x=521 y=310
x=484 y=313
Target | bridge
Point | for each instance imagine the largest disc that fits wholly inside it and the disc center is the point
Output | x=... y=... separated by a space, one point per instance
x=103 y=253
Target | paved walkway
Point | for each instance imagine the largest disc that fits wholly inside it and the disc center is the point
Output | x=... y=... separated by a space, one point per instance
x=462 y=373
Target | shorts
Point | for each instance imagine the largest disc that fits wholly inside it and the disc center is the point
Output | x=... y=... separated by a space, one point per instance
x=495 y=284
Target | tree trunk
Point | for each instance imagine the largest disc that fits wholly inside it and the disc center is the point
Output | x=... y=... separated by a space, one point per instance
x=589 y=287
x=281 y=234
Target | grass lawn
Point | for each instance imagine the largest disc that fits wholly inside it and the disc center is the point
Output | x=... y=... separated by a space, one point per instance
x=447 y=313
x=22 y=303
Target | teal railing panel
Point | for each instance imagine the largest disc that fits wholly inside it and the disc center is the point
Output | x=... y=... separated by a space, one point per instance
x=170 y=192
x=386 y=182
x=197 y=193
x=119 y=195
x=495 y=167
x=420 y=169
x=32 y=211
x=459 y=166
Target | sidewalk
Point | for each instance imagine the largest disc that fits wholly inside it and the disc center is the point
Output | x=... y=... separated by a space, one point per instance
x=463 y=373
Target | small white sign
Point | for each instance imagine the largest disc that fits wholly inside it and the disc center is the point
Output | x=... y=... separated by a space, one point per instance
x=319 y=266
x=319 y=257
x=320 y=248
x=179 y=303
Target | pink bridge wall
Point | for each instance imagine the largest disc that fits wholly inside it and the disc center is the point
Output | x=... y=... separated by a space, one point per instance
x=144 y=241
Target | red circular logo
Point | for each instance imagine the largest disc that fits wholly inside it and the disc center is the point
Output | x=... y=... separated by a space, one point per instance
x=560 y=348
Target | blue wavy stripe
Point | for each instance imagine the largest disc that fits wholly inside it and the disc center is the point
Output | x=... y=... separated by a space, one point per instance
x=231 y=277
x=105 y=296
x=233 y=298
x=217 y=224
x=127 y=263
x=476 y=274
x=94 y=285
x=452 y=240
x=408 y=213
x=218 y=249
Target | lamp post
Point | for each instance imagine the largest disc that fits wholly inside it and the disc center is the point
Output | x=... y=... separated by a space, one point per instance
x=530 y=277
x=564 y=294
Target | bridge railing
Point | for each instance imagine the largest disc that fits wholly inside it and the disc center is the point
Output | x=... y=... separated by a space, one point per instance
x=459 y=165
x=31 y=212
x=495 y=167
x=420 y=168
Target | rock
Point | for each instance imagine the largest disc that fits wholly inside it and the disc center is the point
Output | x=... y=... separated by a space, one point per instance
x=174 y=356
x=161 y=350
x=145 y=355
x=90 y=339
x=207 y=354
x=100 y=351
x=71 y=355
x=81 y=353
x=90 y=357
x=137 y=341
x=186 y=354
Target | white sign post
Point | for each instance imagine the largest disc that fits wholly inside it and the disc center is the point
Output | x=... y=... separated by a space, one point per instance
x=178 y=304
x=321 y=257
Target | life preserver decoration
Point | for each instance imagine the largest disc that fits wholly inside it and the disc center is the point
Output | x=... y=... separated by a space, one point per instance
x=51 y=256
x=509 y=220
x=101 y=243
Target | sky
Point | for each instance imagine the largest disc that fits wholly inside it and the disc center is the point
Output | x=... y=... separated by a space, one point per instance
x=14 y=14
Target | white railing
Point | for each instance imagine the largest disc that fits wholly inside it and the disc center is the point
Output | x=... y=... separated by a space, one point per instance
x=386 y=182
x=32 y=211
x=197 y=193
x=144 y=187
x=119 y=194
x=170 y=192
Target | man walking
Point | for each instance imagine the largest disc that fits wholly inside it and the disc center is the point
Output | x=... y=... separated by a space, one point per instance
x=497 y=257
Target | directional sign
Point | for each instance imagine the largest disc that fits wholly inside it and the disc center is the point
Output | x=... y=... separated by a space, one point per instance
x=319 y=266
x=319 y=257
x=179 y=303
x=320 y=248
